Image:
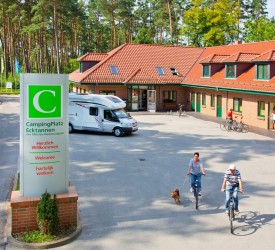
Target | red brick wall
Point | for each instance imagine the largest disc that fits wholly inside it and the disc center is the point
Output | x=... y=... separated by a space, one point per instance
x=249 y=101
x=23 y=210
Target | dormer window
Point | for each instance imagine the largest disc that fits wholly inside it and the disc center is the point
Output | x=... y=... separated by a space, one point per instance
x=230 y=71
x=160 y=71
x=206 y=70
x=174 y=71
x=262 y=72
x=114 y=70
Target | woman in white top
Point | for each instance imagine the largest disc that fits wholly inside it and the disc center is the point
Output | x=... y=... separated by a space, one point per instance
x=273 y=118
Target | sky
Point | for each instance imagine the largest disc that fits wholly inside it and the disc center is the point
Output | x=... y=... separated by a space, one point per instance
x=271 y=8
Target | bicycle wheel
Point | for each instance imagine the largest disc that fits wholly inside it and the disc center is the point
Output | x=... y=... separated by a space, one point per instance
x=245 y=128
x=231 y=218
x=227 y=127
x=196 y=194
x=222 y=126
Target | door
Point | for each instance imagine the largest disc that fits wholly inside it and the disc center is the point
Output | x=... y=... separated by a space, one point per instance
x=142 y=99
x=270 y=109
x=193 y=104
x=219 y=106
x=109 y=121
x=151 y=100
x=198 y=106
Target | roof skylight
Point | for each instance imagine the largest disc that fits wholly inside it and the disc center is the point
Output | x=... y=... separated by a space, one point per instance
x=174 y=71
x=160 y=71
x=114 y=70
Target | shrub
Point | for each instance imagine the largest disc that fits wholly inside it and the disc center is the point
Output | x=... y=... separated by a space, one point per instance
x=47 y=213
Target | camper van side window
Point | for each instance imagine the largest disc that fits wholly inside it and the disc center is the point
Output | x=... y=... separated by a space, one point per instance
x=93 y=111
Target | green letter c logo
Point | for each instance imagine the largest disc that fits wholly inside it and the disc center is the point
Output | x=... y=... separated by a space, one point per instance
x=36 y=101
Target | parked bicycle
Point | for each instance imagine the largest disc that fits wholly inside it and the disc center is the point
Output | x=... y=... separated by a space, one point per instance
x=238 y=126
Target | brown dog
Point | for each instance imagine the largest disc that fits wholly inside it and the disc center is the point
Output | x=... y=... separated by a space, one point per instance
x=176 y=195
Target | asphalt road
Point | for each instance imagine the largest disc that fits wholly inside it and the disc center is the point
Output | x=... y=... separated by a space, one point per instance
x=9 y=152
x=124 y=186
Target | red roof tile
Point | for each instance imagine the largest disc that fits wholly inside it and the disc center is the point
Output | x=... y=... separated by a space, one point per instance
x=214 y=58
x=267 y=56
x=92 y=57
x=246 y=80
x=240 y=57
x=137 y=64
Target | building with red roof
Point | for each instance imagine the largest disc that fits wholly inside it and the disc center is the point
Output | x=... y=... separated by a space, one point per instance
x=209 y=80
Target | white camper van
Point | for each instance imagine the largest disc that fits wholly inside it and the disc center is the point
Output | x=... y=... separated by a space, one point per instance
x=99 y=113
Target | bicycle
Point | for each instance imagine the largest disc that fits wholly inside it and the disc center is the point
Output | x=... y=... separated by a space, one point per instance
x=196 y=192
x=234 y=125
x=224 y=125
x=231 y=214
x=241 y=127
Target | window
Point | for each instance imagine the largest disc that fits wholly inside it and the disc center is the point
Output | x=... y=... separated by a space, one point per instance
x=237 y=104
x=169 y=96
x=110 y=115
x=114 y=99
x=212 y=101
x=160 y=71
x=230 y=70
x=261 y=109
x=107 y=92
x=114 y=70
x=93 y=111
x=262 y=71
x=80 y=68
x=203 y=99
x=205 y=70
x=174 y=71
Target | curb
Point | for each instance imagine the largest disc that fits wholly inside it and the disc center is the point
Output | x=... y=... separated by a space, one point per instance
x=52 y=244
x=13 y=242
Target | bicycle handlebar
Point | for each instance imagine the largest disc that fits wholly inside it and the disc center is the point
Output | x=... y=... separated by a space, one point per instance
x=223 y=190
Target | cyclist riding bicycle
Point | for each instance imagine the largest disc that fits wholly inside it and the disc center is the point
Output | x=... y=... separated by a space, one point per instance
x=195 y=170
x=232 y=182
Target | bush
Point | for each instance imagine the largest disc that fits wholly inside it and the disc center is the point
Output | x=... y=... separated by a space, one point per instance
x=47 y=214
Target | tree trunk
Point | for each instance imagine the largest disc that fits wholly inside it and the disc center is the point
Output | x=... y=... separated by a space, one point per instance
x=56 y=37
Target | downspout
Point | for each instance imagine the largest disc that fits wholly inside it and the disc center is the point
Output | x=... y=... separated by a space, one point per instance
x=226 y=104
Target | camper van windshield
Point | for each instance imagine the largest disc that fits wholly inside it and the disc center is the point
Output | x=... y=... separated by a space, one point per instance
x=121 y=113
x=113 y=99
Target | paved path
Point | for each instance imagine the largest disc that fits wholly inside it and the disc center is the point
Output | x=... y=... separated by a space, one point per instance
x=9 y=151
x=124 y=187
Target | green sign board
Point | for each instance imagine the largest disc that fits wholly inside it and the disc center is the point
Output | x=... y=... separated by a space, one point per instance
x=45 y=101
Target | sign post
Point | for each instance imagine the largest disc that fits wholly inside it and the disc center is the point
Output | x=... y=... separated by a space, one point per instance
x=43 y=134
x=9 y=86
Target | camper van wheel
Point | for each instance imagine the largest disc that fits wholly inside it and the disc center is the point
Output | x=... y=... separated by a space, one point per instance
x=71 y=129
x=118 y=132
